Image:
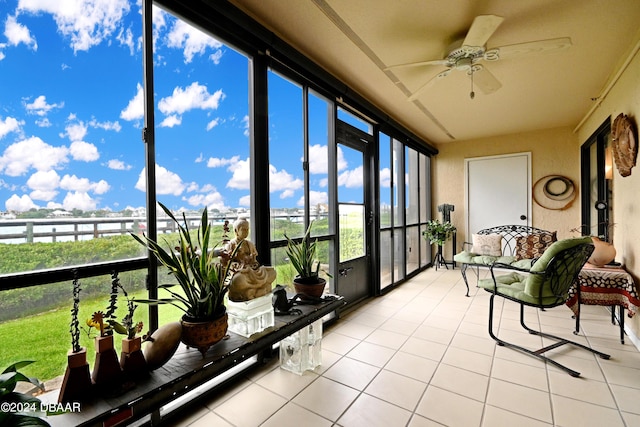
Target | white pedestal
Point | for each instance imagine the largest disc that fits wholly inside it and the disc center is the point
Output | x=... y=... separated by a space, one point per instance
x=249 y=317
x=302 y=351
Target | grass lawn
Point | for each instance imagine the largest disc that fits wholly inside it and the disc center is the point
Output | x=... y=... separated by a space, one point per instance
x=45 y=337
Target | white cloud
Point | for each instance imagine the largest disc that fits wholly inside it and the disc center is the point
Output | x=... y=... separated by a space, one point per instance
x=19 y=204
x=43 y=195
x=125 y=37
x=351 y=178
x=76 y=131
x=105 y=125
x=167 y=182
x=171 y=121
x=385 y=178
x=85 y=22
x=215 y=162
x=135 y=108
x=118 y=165
x=34 y=153
x=240 y=175
x=83 y=185
x=245 y=122
x=213 y=123
x=213 y=200
x=40 y=107
x=44 y=180
x=318 y=159
x=79 y=200
x=315 y=198
x=192 y=41
x=245 y=201
x=9 y=125
x=286 y=194
x=44 y=185
x=44 y=122
x=283 y=180
x=17 y=33
x=193 y=96
x=342 y=163
x=84 y=151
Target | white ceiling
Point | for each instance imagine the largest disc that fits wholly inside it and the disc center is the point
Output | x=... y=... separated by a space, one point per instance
x=355 y=40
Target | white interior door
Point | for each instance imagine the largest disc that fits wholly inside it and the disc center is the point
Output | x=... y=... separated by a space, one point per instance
x=498 y=191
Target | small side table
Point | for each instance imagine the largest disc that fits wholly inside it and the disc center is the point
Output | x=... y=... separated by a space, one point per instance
x=604 y=286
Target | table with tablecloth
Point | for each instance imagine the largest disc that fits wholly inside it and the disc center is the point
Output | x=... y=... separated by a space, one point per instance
x=608 y=286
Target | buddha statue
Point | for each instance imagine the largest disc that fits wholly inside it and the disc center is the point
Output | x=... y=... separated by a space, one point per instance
x=250 y=280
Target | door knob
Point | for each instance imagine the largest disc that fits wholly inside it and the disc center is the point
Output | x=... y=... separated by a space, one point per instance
x=523 y=217
x=344 y=271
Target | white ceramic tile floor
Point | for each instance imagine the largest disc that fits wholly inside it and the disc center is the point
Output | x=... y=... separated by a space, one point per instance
x=421 y=356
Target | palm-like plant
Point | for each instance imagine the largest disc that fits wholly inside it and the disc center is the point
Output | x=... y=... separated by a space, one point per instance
x=203 y=280
x=303 y=257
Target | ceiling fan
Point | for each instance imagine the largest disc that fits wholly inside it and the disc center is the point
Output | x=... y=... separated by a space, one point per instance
x=466 y=54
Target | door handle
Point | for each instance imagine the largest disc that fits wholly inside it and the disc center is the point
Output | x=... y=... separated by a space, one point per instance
x=344 y=271
x=523 y=217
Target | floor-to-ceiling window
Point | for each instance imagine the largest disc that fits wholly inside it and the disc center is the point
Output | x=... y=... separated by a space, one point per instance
x=299 y=152
x=404 y=181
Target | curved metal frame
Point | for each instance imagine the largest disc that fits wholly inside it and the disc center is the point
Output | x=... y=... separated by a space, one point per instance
x=509 y=235
x=561 y=272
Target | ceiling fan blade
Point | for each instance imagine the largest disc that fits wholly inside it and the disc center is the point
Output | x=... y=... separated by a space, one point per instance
x=485 y=81
x=417 y=64
x=533 y=48
x=429 y=83
x=482 y=28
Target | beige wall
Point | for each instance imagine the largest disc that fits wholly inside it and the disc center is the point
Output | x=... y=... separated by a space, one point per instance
x=557 y=151
x=552 y=152
x=624 y=97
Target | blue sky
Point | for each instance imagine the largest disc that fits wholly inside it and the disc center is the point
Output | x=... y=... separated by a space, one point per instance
x=71 y=113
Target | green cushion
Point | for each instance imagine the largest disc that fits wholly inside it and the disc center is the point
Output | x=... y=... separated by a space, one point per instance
x=466 y=257
x=526 y=287
x=533 y=283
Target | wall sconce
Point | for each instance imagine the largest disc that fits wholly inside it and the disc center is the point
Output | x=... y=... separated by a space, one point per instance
x=608 y=163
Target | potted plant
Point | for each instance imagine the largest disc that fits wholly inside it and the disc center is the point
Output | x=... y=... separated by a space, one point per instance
x=202 y=280
x=302 y=256
x=19 y=409
x=132 y=359
x=77 y=379
x=438 y=232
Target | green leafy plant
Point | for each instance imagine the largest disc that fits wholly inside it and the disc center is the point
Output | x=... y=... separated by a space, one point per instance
x=19 y=409
x=302 y=256
x=437 y=232
x=203 y=280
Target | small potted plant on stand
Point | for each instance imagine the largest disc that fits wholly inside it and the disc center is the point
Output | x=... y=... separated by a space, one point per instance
x=77 y=379
x=438 y=233
x=202 y=279
x=302 y=255
x=132 y=359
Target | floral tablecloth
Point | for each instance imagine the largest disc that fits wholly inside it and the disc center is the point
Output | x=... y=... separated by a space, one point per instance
x=605 y=286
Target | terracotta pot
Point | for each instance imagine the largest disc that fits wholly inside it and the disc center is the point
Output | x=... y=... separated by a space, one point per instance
x=308 y=290
x=132 y=359
x=76 y=384
x=106 y=369
x=203 y=334
x=603 y=253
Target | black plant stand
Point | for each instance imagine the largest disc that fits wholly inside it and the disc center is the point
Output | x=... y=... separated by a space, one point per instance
x=439 y=260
